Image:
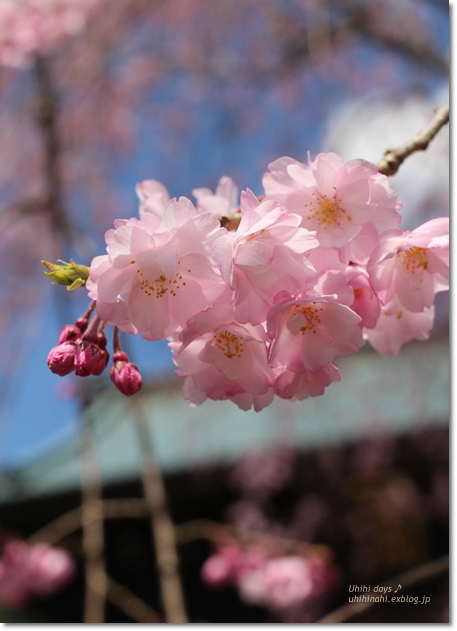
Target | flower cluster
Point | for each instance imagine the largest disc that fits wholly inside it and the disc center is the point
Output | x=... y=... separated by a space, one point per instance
x=259 y=298
x=262 y=302
x=276 y=583
x=29 y=572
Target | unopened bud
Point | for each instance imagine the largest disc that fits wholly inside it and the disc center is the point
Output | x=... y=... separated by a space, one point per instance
x=70 y=332
x=71 y=274
x=61 y=359
x=90 y=359
x=125 y=375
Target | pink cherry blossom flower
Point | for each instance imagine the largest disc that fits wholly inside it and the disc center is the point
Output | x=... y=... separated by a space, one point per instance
x=50 y=569
x=221 y=203
x=299 y=386
x=157 y=273
x=412 y=265
x=366 y=301
x=224 y=359
x=263 y=257
x=26 y=572
x=153 y=197
x=336 y=199
x=285 y=582
x=308 y=333
x=229 y=563
x=396 y=326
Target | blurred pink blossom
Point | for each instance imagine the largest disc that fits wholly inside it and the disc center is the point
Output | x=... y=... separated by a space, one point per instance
x=27 y=572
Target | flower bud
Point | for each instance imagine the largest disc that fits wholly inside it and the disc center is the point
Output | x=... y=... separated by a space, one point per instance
x=71 y=274
x=125 y=375
x=70 y=332
x=61 y=358
x=90 y=359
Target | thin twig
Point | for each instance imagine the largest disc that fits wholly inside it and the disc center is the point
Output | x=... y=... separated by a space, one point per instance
x=393 y=158
x=129 y=603
x=226 y=533
x=64 y=525
x=93 y=528
x=161 y=524
x=407 y=580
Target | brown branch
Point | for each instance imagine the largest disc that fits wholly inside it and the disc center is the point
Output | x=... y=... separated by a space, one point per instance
x=93 y=529
x=130 y=604
x=226 y=533
x=393 y=158
x=162 y=527
x=408 y=580
x=47 y=115
x=69 y=522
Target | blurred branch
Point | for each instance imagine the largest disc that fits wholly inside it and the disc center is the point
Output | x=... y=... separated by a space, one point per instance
x=408 y=580
x=130 y=604
x=161 y=524
x=47 y=114
x=226 y=533
x=393 y=158
x=66 y=524
x=93 y=528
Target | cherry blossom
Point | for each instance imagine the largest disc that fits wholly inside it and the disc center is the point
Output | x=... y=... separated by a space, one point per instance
x=340 y=201
x=263 y=257
x=396 y=326
x=309 y=333
x=414 y=266
x=299 y=386
x=223 y=202
x=261 y=304
x=157 y=273
x=277 y=583
x=27 y=572
x=223 y=359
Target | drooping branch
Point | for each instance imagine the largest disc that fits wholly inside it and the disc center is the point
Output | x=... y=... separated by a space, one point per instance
x=47 y=120
x=393 y=158
x=226 y=533
x=408 y=580
x=93 y=529
x=161 y=525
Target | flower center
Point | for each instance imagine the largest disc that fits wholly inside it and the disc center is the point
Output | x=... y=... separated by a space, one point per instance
x=230 y=344
x=311 y=317
x=161 y=285
x=414 y=258
x=327 y=211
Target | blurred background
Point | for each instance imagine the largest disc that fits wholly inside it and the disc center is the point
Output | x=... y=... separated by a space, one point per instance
x=98 y=95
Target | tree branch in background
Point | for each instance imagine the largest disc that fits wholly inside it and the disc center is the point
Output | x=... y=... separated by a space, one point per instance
x=161 y=524
x=226 y=533
x=64 y=525
x=46 y=115
x=130 y=604
x=93 y=528
x=408 y=580
x=393 y=158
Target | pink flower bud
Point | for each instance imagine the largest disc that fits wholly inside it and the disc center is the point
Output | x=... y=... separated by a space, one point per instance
x=90 y=359
x=103 y=358
x=70 y=333
x=125 y=375
x=61 y=359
